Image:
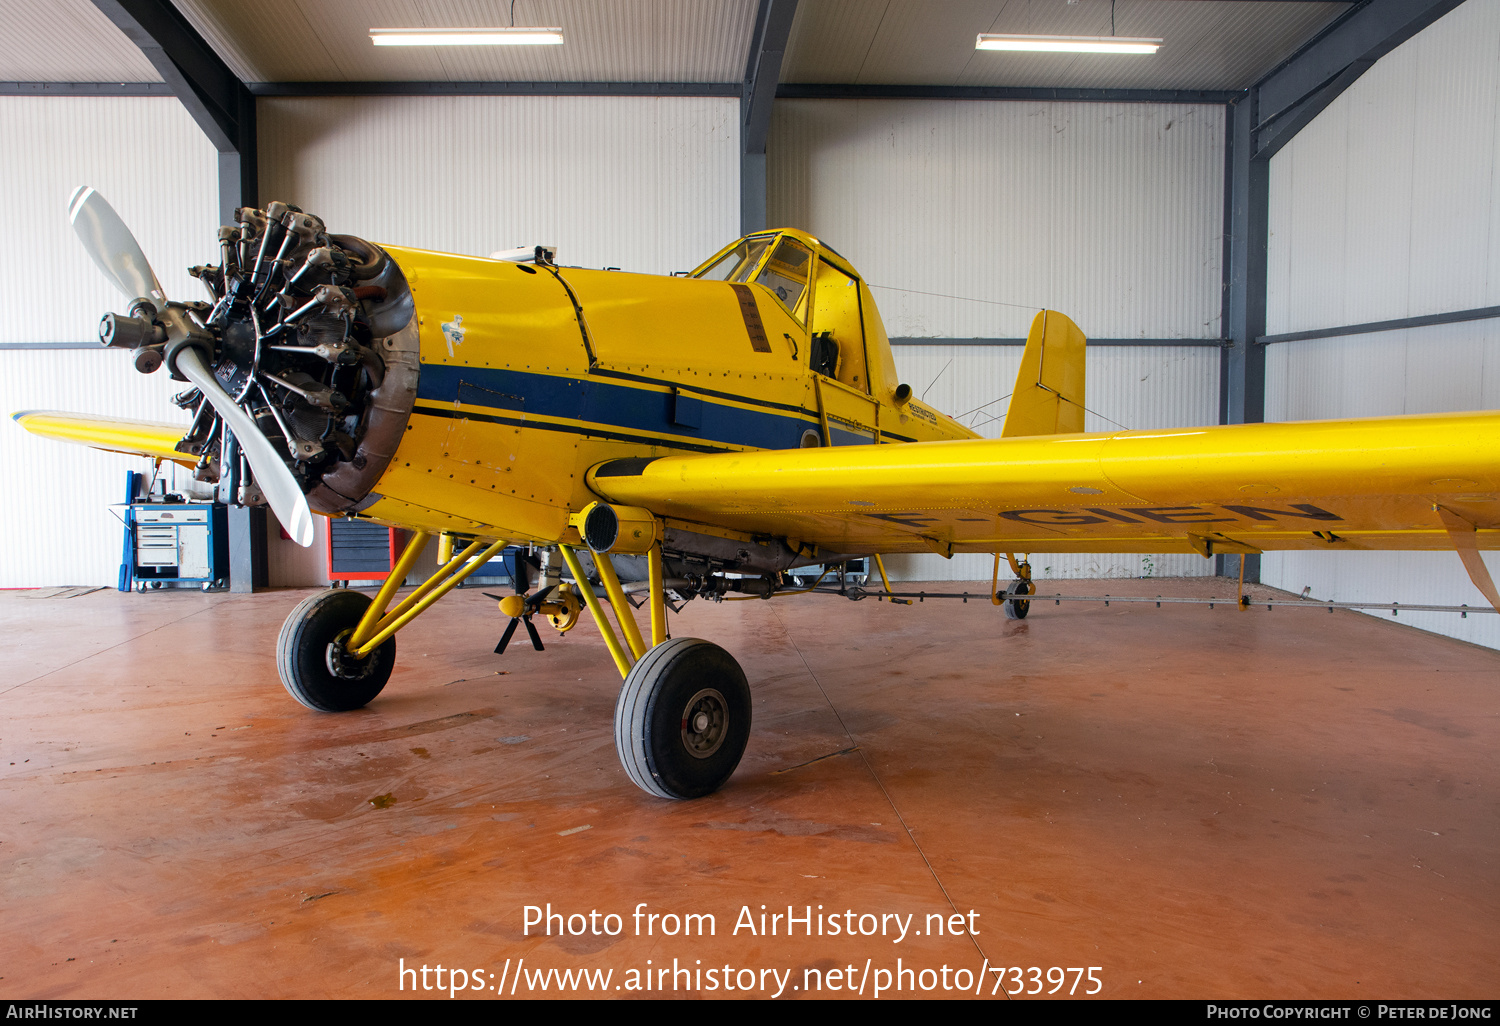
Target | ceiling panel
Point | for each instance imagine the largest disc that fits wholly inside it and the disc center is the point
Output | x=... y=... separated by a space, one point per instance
x=606 y=40
x=66 y=41
x=1209 y=44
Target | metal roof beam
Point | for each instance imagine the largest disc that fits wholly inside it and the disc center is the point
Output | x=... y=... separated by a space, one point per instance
x=827 y=91
x=773 y=25
x=85 y=89
x=1294 y=93
x=494 y=88
x=926 y=340
x=215 y=97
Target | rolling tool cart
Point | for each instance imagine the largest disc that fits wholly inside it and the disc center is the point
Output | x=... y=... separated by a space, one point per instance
x=177 y=543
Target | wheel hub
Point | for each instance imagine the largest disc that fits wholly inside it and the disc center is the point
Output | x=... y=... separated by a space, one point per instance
x=341 y=663
x=705 y=723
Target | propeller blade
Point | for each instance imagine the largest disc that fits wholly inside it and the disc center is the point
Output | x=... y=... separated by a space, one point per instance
x=119 y=256
x=271 y=474
x=510 y=630
x=113 y=247
x=536 y=641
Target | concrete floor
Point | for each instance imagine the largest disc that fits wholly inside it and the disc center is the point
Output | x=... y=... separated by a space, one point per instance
x=1202 y=803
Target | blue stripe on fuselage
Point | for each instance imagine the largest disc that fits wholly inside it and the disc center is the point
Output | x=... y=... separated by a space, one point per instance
x=599 y=402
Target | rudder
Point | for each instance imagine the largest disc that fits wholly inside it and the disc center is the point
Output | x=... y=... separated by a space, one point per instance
x=1048 y=398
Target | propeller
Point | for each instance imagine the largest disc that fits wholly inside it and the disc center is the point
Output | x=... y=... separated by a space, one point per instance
x=520 y=606
x=116 y=252
x=113 y=247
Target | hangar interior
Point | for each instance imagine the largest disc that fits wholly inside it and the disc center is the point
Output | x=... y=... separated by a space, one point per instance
x=1284 y=214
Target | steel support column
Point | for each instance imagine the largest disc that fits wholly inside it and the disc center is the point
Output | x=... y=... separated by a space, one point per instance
x=1242 y=365
x=1247 y=183
x=773 y=25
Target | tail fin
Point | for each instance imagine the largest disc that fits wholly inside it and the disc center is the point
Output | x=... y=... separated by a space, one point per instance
x=1048 y=399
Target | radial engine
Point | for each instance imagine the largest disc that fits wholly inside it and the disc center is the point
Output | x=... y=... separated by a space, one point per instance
x=310 y=334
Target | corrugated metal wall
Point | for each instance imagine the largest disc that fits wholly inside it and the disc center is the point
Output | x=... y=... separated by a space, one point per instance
x=146 y=156
x=642 y=183
x=1111 y=213
x=152 y=163
x=1388 y=206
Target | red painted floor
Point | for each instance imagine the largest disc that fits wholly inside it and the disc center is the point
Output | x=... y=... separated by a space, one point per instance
x=1200 y=803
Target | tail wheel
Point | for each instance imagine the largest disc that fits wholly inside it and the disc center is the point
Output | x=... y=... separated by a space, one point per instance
x=314 y=663
x=1017 y=608
x=682 y=719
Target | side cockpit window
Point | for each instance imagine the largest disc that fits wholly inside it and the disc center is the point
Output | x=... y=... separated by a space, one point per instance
x=838 y=339
x=786 y=273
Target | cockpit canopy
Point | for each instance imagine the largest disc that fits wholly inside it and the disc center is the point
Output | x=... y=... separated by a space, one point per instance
x=781 y=261
x=821 y=292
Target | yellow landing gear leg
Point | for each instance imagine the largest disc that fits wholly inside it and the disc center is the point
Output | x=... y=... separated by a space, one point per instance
x=337 y=649
x=658 y=597
x=885 y=580
x=621 y=604
x=377 y=624
x=624 y=659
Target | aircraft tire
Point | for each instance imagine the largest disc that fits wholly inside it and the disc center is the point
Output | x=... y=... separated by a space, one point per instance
x=682 y=719
x=305 y=654
x=1016 y=608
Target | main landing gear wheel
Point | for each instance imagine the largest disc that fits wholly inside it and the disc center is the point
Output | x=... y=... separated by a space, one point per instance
x=682 y=719
x=315 y=666
x=1017 y=608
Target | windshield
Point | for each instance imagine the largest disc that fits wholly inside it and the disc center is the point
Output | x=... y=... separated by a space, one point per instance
x=739 y=262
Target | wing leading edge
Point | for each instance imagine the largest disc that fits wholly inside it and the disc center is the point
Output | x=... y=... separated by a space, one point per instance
x=136 y=437
x=1382 y=483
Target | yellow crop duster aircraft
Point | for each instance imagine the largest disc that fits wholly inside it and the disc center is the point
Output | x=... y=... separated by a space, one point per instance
x=717 y=430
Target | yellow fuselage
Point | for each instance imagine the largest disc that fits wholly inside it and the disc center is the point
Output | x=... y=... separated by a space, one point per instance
x=530 y=375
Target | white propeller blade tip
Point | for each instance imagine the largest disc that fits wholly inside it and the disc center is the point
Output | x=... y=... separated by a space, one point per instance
x=77 y=200
x=301 y=530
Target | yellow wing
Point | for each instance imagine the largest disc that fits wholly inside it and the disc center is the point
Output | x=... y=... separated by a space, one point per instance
x=137 y=437
x=1386 y=483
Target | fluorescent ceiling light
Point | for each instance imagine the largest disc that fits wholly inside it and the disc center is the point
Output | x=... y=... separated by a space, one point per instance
x=1068 y=44
x=467 y=37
